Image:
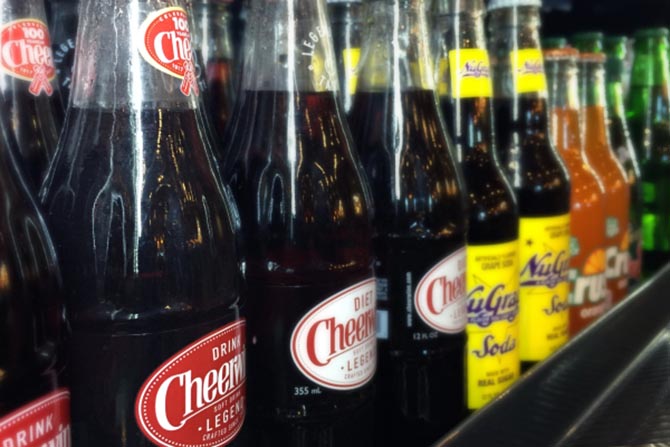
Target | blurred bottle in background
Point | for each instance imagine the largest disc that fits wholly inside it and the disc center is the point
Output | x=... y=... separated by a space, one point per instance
x=537 y=174
x=588 y=284
x=492 y=359
x=347 y=21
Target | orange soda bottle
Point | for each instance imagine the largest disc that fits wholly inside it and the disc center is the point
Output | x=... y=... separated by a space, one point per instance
x=588 y=285
x=599 y=153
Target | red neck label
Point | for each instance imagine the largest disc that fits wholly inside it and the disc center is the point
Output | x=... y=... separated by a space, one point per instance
x=26 y=54
x=197 y=398
x=440 y=298
x=166 y=45
x=335 y=344
x=43 y=422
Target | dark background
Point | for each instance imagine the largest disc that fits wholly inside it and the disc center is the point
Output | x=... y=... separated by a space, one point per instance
x=565 y=17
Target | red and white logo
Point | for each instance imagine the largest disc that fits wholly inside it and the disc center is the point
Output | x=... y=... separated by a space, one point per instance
x=26 y=54
x=335 y=344
x=166 y=45
x=43 y=422
x=197 y=398
x=440 y=298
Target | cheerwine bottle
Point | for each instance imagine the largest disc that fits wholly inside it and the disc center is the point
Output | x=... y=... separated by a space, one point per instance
x=146 y=235
x=419 y=228
x=588 y=287
x=305 y=216
x=538 y=176
x=599 y=154
x=34 y=400
x=30 y=95
x=493 y=232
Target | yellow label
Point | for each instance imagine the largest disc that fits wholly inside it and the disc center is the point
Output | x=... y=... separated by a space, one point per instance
x=493 y=321
x=443 y=77
x=470 y=74
x=351 y=57
x=545 y=263
x=528 y=69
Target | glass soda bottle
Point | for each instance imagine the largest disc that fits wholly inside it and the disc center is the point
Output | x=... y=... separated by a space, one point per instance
x=346 y=19
x=492 y=359
x=599 y=154
x=147 y=238
x=616 y=49
x=649 y=119
x=419 y=228
x=537 y=174
x=29 y=88
x=32 y=358
x=306 y=219
x=212 y=36
x=588 y=284
x=588 y=42
x=63 y=19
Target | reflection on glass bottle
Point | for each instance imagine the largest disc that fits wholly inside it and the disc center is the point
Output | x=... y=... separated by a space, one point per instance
x=346 y=18
x=305 y=216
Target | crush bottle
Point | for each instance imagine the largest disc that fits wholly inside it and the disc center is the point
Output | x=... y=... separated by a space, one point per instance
x=588 y=285
x=624 y=150
x=305 y=214
x=537 y=174
x=346 y=18
x=599 y=154
x=29 y=89
x=419 y=228
x=32 y=357
x=146 y=235
x=492 y=358
x=649 y=119
x=212 y=36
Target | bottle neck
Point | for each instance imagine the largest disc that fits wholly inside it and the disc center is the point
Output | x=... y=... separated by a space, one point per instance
x=563 y=80
x=144 y=61
x=593 y=85
x=396 y=51
x=289 y=47
x=615 y=102
x=212 y=32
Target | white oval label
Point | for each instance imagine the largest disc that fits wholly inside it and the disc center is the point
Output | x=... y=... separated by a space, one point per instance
x=335 y=344
x=440 y=298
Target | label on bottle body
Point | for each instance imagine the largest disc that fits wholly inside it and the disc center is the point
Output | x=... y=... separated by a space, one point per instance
x=528 y=71
x=42 y=422
x=27 y=54
x=351 y=57
x=588 y=285
x=470 y=73
x=493 y=321
x=617 y=259
x=198 y=396
x=544 y=260
x=166 y=45
x=335 y=344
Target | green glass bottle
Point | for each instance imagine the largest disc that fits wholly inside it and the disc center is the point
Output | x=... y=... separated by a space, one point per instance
x=649 y=120
x=623 y=148
x=589 y=42
x=554 y=42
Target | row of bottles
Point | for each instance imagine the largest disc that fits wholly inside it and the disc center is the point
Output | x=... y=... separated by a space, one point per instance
x=216 y=258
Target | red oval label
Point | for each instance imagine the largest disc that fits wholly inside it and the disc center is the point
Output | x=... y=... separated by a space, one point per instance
x=335 y=344
x=43 y=422
x=197 y=397
x=166 y=45
x=26 y=54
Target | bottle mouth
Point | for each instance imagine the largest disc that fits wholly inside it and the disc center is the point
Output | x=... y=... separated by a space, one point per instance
x=561 y=54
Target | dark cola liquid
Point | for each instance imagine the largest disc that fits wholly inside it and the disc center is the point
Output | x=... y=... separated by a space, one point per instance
x=492 y=210
x=148 y=254
x=307 y=233
x=533 y=167
x=33 y=328
x=219 y=99
x=34 y=125
x=419 y=221
x=63 y=20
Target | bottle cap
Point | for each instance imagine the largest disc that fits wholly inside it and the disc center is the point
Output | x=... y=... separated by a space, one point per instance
x=651 y=33
x=615 y=47
x=588 y=42
x=499 y=4
x=595 y=58
x=561 y=54
x=554 y=42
